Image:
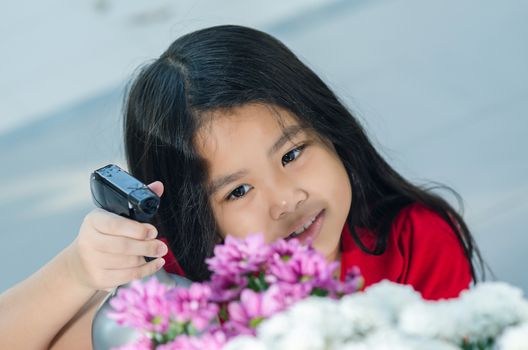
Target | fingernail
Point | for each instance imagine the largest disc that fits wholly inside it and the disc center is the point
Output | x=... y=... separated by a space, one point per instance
x=160 y=263
x=152 y=234
x=162 y=249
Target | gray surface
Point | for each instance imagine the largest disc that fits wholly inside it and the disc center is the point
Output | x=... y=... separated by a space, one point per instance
x=440 y=86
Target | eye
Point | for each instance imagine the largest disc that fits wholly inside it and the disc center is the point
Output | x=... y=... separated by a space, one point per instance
x=239 y=192
x=292 y=155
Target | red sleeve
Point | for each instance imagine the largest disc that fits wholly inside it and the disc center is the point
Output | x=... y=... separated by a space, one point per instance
x=433 y=258
x=171 y=264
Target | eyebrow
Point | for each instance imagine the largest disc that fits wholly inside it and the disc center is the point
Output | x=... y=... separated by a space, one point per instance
x=288 y=133
x=226 y=180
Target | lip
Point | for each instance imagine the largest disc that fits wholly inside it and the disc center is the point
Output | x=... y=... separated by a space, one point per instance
x=313 y=231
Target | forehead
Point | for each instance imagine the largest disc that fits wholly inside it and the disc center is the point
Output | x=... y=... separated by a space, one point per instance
x=238 y=131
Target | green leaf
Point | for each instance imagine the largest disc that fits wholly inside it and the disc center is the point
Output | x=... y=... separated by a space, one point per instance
x=258 y=283
x=481 y=344
x=319 y=292
x=223 y=314
x=255 y=322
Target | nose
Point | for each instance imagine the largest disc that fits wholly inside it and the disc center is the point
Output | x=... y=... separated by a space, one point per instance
x=285 y=198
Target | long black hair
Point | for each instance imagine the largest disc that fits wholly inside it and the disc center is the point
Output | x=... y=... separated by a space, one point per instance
x=227 y=66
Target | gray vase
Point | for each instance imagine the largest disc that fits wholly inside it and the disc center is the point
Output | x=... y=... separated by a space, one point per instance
x=107 y=334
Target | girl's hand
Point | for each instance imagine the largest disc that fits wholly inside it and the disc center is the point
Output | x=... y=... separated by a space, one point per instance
x=110 y=249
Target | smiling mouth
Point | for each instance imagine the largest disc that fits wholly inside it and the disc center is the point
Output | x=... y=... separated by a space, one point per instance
x=309 y=230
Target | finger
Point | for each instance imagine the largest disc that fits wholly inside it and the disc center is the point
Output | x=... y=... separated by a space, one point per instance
x=115 y=225
x=157 y=187
x=122 y=276
x=108 y=261
x=128 y=246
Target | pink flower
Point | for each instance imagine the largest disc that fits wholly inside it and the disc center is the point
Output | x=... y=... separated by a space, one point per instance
x=289 y=248
x=193 y=305
x=353 y=282
x=143 y=306
x=239 y=256
x=226 y=288
x=291 y=262
x=283 y=261
x=210 y=341
x=293 y=292
x=253 y=307
x=251 y=281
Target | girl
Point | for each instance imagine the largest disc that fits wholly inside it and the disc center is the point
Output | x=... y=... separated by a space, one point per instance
x=240 y=137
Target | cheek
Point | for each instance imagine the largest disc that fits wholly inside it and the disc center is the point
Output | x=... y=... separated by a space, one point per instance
x=341 y=182
x=328 y=172
x=342 y=188
x=330 y=179
x=239 y=222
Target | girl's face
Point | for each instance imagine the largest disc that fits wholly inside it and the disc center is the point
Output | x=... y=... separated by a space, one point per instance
x=274 y=178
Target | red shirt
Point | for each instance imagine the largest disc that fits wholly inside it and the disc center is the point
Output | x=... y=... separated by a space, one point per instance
x=422 y=250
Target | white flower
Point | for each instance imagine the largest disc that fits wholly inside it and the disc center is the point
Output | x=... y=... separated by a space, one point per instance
x=352 y=346
x=362 y=315
x=442 y=320
x=298 y=338
x=244 y=343
x=284 y=331
x=274 y=328
x=477 y=315
x=495 y=306
x=492 y=307
x=376 y=308
x=391 y=339
x=515 y=338
x=392 y=296
x=309 y=324
x=391 y=316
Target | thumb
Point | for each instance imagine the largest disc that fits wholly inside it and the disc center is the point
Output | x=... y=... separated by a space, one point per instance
x=157 y=187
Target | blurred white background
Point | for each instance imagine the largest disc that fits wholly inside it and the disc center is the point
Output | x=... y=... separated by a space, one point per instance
x=440 y=86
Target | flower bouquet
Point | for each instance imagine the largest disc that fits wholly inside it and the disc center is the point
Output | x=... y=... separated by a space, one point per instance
x=284 y=296
x=251 y=282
